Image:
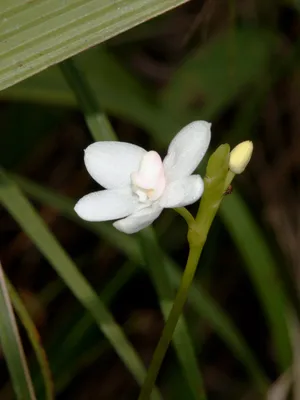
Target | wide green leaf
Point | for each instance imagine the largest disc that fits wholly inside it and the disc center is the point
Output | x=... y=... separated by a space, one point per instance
x=37 y=34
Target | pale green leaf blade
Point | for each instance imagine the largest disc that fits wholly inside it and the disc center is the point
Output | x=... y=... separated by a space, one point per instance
x=32 y=224
x=12 y=346
x=37 y=34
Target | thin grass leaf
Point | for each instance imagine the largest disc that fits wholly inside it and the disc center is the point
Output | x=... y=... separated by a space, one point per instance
x=165 y=290
x=34 y=338
x=72 y=369
x=32 y=224
x=219 y=87
x=66 y=205
x=209 y=310
x=262 y=269
x=107 y=295
x=118 y=92
x=96 y=119
x=37 y=34
x=12 y=346
x=73 y=333
x=206 y=307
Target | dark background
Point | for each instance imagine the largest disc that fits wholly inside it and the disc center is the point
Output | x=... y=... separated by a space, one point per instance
x=235 y=64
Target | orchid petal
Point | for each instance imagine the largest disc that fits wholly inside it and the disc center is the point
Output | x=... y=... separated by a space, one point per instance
x=187 y=150
x=112 y=163
x=106 y=205
x=138 y=220
x=151 y=168
x=182 y=192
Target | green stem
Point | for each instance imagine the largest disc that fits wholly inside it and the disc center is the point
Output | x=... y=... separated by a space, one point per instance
x=217 y=171
x=229 y=179
x=166 y=337
x=185 y=214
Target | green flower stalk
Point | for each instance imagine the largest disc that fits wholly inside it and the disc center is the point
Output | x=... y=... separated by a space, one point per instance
x=220 y=171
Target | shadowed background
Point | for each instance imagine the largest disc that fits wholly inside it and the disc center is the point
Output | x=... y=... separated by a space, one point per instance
x=234 y=63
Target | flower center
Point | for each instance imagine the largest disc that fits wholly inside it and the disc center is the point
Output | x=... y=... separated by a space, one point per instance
x=149 y=182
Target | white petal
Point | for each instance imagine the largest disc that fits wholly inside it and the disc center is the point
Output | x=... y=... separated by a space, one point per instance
x=182 y=192
x=106 y=205
x=151 y=169
x=139 y=220
x=112 y=163
x=187 y=150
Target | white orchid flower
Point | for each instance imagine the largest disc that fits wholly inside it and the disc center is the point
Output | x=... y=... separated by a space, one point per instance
x=139 y=185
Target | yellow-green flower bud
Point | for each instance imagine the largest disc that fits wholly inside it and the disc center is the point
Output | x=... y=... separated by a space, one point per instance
x=240 y=157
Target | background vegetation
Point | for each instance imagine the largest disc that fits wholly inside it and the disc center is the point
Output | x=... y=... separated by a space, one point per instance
x=90 y=301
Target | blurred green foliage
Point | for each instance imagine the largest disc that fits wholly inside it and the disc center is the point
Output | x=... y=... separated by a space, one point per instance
x=227 y=76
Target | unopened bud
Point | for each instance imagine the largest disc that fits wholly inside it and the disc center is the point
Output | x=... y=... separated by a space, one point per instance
x=240 y=157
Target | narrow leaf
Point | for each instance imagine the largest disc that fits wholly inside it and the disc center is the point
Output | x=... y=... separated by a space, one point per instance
x=34 y=338
x=261 y=267
x=65 y=205
x=96 y=120
x=12 y=346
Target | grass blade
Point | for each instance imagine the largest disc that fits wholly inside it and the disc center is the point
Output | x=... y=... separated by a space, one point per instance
x=219 y=87
x=66 y=205
x=34 y=338
x=208 y=309
x=12 y=346
x=73 y=333
x=22 y=211
x=96 y=120
x=262 y=270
